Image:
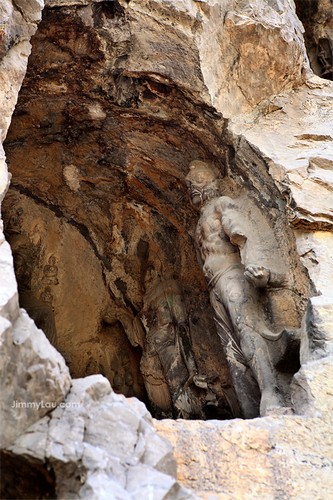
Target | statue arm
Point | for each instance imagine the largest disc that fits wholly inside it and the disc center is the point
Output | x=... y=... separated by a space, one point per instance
x=262 y=277
x=134 y=329
x=277 y=279
x=232 y=222
x=233 y=225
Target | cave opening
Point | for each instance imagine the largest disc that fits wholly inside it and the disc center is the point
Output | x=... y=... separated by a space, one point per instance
x=101 y=227
x=316 y=17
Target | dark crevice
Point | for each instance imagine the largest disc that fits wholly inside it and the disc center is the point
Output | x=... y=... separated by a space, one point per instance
x=58 y=213
x=108 y=9
x=24 y=477
x=316 y=18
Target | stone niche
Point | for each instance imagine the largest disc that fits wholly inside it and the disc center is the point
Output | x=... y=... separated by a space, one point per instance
x=316 y=16
x=99 y=218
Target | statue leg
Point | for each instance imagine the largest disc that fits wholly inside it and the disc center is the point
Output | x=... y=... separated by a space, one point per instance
x=257 y=356
x=241 y=302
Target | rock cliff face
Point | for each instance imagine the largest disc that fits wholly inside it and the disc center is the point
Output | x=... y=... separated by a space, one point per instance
x=117 y=117
x=118 y=99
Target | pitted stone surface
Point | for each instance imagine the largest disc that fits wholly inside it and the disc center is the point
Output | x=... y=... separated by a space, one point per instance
x=34 y=376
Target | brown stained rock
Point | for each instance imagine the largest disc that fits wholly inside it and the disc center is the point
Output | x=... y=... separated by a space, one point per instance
x=119 y=98
x=46 y=265
x=112 y=115
x=110 y=202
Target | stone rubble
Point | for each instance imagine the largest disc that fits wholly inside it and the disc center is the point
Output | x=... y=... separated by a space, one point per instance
x=109 y=440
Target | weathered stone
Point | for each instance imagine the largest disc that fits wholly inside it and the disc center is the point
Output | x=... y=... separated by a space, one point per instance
x=262 y=458
x=18 y=23
x=34 y=377
x=154 y=484
x=316 y=16
x=50 y=293
x=293 y=132
x=224 y=40
x=4 y=177
x=148 y=232
x=100 y=486
x=316 y=251
x=122 y=96
x=243 y=264
x=97 y=443
x=312 y=394
x=319 y=342
x=8 y=287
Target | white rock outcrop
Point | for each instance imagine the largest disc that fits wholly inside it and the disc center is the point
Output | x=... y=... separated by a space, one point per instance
x=34 y=376
x=18 y=22
x=109 y=442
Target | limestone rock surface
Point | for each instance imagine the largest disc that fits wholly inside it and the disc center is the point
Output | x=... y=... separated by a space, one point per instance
x=96 y=444
x=34 y=376
x=8 y=287
x=18 y=22
x=294 y=133
x=35 y=380
x=270 y=457
x=117 y=201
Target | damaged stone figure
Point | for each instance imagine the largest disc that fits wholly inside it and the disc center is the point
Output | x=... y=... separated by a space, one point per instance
x=165 y=343
x=241 y=263
x=168 y=340
x=174 y=386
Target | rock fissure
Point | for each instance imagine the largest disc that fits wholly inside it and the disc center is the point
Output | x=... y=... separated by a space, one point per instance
x=59 y=214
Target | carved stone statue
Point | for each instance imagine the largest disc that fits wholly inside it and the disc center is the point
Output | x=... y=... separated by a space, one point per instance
x=50 y=271
x=174 y=386
x=240 y=261
x=168 y=348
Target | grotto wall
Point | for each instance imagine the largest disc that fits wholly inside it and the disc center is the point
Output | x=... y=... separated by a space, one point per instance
x=118 y=99
x=121 y=200
x=47 y=449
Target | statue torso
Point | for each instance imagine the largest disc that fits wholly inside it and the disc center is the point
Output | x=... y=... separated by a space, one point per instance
x=217 y=253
